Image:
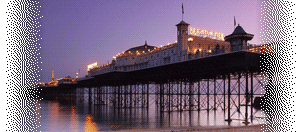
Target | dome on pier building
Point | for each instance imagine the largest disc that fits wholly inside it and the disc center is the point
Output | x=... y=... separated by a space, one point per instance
x=144 y=48
x=239 y=32
x=238 y=39
x=182 y=23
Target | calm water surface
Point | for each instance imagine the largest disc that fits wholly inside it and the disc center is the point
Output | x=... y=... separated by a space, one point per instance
x=79 y=116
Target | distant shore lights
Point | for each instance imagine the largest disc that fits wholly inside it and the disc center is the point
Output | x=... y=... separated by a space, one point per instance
x=206 y=33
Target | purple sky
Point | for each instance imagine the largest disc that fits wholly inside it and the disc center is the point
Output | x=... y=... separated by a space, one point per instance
x=76 y=33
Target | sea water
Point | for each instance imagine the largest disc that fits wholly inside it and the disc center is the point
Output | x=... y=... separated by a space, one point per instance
x=80 y=115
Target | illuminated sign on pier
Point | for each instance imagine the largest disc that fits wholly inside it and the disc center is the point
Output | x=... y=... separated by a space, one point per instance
x=206 y=33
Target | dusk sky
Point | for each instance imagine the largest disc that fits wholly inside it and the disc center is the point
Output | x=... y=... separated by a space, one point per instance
x=76 y=33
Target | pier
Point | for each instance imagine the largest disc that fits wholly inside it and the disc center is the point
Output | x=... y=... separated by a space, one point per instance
x=196 y=73
x=227 y=82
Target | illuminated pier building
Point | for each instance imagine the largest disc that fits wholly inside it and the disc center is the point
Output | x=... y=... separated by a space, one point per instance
x=192 y=43
x=202 y=70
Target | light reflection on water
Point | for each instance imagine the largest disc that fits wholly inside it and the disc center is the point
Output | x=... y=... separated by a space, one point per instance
x=80 y=116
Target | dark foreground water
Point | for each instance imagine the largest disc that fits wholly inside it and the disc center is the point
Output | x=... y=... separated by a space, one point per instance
x=79 y=116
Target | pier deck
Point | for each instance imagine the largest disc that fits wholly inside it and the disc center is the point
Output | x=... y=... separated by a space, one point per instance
x=215 y=66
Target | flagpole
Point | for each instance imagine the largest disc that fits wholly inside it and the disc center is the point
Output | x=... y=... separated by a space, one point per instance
x=234 y=23
x=182 y=11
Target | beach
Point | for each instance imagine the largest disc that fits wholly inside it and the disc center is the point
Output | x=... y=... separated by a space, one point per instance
x=204 y=129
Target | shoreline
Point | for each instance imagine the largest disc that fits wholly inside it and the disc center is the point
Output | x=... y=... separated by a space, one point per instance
x=202 y=129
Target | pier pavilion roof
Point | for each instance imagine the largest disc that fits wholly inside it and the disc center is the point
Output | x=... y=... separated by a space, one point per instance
x=239 y=32
x=182 y=23
x=144 y=48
